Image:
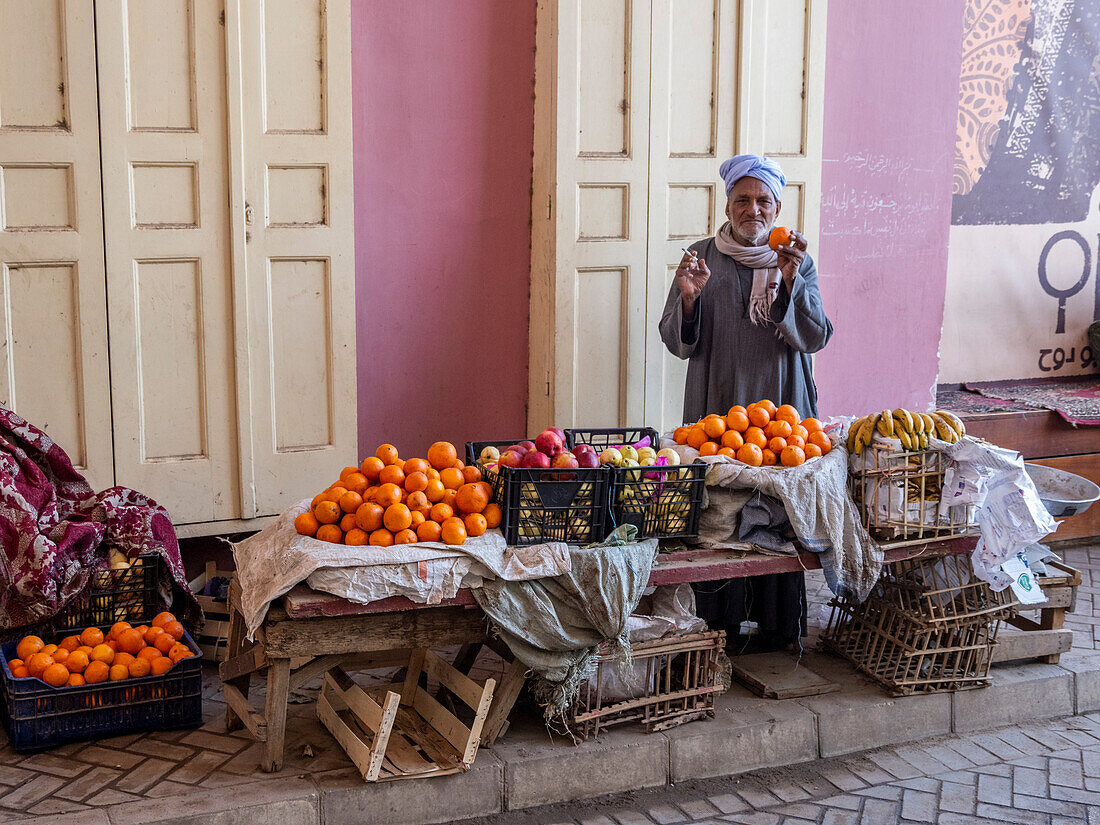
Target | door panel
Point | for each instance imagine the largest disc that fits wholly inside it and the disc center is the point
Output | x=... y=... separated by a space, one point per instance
x=53 y=311
x=165 y=167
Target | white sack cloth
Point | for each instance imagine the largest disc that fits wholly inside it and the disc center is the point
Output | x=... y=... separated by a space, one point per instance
x=271 y=562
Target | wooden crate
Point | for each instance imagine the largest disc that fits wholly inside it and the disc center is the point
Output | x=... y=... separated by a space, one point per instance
x=1048 y=638
x=400 y=731
x=212 y=640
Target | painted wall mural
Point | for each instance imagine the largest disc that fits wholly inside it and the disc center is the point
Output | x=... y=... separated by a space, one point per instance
x=1023 y=279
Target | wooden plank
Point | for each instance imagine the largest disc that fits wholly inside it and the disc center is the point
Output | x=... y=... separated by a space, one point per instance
x=1031 y=644
x=481 y=711
x=441 y=719
x=243 y=664
x=303 y=602
x=342 y=725
x=385 y=631
x=1084 y=524
x=243 y=710
x=278 y=690
x=779 y=676
x=427 y=737
x=504 y=698
x=458 y=683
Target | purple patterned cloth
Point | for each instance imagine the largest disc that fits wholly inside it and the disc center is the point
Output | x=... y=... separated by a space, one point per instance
x=55 y=531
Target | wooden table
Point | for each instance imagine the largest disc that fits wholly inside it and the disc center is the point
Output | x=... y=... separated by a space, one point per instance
x=307 y=633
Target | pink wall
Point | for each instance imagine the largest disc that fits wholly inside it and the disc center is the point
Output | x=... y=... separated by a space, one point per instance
x=443 y=126
x=891 y=94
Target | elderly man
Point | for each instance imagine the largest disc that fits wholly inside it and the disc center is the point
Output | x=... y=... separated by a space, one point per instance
x=747 y=319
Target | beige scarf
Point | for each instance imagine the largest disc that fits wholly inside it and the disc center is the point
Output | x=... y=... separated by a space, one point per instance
x=764 y=263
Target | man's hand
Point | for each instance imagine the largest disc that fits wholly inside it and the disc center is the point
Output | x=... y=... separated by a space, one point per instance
x=791 y=257
x=691 y=276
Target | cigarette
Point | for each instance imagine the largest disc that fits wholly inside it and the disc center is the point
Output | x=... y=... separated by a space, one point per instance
x=690 y=252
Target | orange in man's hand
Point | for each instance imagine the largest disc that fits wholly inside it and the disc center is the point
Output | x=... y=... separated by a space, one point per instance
x=780 y=236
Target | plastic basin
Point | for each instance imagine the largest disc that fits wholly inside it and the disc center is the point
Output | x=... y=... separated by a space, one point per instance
x=1064 y=494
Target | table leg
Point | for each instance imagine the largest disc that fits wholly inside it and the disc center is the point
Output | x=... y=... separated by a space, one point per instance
x=278 y=691
x=1052 y=618
x=236 y=646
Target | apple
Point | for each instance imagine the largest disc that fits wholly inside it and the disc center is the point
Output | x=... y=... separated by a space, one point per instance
x=565 y=461
x=558 y=431
x=587 y=460
x=530 y=445
x=584 y=448
x=518 y=448
x=549 y=443
x=536 y=460
x=511 y=458
x=611 y=456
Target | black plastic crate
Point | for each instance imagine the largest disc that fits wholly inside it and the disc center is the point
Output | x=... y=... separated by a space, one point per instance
x=662 y=502
x=39 y=716
x=602 y=438
x=567 y=505
x=495 y=480
x=128 y=595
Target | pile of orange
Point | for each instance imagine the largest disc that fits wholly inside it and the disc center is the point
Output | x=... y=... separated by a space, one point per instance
x=88 y=657
x=759 y=434
x=388 y=500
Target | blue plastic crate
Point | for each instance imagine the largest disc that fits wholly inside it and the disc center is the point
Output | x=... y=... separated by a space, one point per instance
x=39 y=716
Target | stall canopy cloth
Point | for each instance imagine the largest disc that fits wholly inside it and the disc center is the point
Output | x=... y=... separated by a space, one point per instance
x=822 y=514
x=272 y=561
x=55 y=531
x=555 y=625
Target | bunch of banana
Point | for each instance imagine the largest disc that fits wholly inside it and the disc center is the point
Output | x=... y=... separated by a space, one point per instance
x=913 y=429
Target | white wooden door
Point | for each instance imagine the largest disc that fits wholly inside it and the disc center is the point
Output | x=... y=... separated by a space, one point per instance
x=589 y=276
x=165 y=199
x=53 y=311
x=295 y=71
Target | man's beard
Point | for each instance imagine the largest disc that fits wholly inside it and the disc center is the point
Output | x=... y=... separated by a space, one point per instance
x=750 y=240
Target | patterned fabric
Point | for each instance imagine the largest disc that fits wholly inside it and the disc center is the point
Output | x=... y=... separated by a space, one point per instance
x=55 y=531
x=1077 y=400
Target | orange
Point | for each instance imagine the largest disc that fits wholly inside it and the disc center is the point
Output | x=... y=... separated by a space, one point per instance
x=811 y=424
x=442 y=455
x=796 y=441
x=769 y=457
x=787 y=413
x=111 y=643
x=77 y=661
x=418 y=503
x=751 y=454
x=449 y=498
x=732 y=439
x=397 y=518
x=471 y=498
x=792 y=456
x=369 y=516
x=416 y=482
x=164 y=642
x=820 y=440
x=778 y=428
x=697 y=436
x=96 y=672
x=347 y=471
x=435 y=490
x=55 y=675
x=28 y=646
x=306 y=524
x=767 y=405
x=392 y=474
x=812 y=451
x=728 y=452
x=160 y=665
x=333 y=493
x=381 y=538
x=428 y=531
x=371 y=467
x=103 y=653
x=388 y=494
x=38 y=663
x=416 y=465
x=405 y=536
x=317 y=499
x=117 y=628
x=441 y=512
x=780 y=236
x=349 y=501
x=130 y=641
x=327 y=512
x=141 y=628
x=174 y=629
x=486 y=488
x=70 y=643
x=453 y=531
x=14 y=663
x=368 y=494
x=347 y=522
x=20 y=673
x=356 y=482
x=475 y=524
x=92 y=636
x=452 y=478
x=737 y=421
x=149 y=653
x=356 y=537
x=180 y=652
x=759 y=416
x=388 y=454
x=680 y=435
x=709 y=448
x=122 y=659
x=75 y=680
x=139 y=667
x=714 y=426
x=119 y=672
x=432 y=473
x=472 y=474
x=755 y=435
x=777 y=444
x=330 y=533
x=87 y=651
x=151 y=634
x=493 y=515
x=458 y=464
x=418 y=518
x=800 y=431
x=50 y=649
x=736 y=408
